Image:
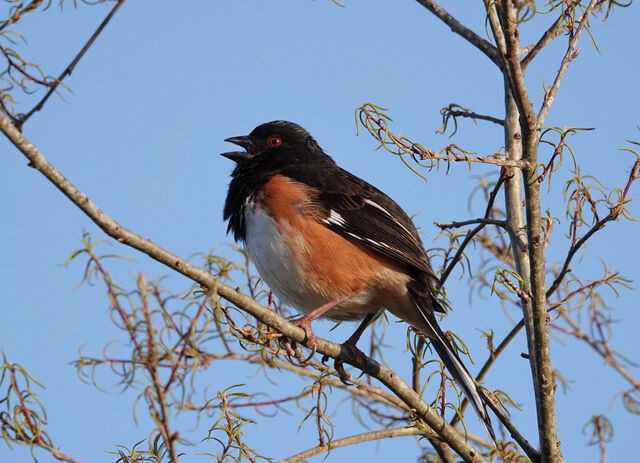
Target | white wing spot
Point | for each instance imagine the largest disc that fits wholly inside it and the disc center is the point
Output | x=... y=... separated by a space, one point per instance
x=335 y=218
x=379 y=243
x=374 y=242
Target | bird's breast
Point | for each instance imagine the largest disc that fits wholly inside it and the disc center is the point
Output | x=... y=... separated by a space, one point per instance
x=271 y=247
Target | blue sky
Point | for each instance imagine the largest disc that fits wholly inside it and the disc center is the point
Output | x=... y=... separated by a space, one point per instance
x=140 y=133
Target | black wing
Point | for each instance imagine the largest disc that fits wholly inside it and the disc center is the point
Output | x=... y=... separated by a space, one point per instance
x=362 y=213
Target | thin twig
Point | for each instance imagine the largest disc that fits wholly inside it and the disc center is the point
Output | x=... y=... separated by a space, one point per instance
x=608 y=357
x=187 y=337
x=475 y=231
x=464 y=223
x=564 y=65
x=18 y=12
x=472 y=115
x=21 y=69
x=355 y=439
x=69 y=69
x=456 y=26
x=151 y=365
x=599 y=225
x=36 y=438
x=265 y=403
x=524 y=444
x=551 y=33
x=425 y=153
x=319 y=413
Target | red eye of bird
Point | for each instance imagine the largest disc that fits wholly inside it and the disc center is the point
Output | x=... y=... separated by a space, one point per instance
x=274 y=141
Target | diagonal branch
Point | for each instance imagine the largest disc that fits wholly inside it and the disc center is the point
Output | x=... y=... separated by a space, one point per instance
x=564 y=65
x=493 y=356
x=324 y=347
x=614 y=214
x=456 y=26
x=608 y=358
x=547 y=37
x=476 y=230
x=352 y=440
x=19 y=11
x=69 y=69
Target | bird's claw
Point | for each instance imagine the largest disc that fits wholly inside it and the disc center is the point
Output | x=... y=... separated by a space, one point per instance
x=344 y=375
x=338 y=365
x=311 y=341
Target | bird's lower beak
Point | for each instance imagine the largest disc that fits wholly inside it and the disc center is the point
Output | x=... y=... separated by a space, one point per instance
x=237 y=156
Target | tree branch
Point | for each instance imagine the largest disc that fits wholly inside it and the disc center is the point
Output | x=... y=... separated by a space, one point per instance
x=524 y=444
x=69 y=69
x=367 y=437
x=547 y=37
x=376 y=123
x=564 y=65
x=355 y=439
x=476 y=230
x=19 y=11
x=464 y=223
x=608 y=358
x=456 y=26
x=473 y=115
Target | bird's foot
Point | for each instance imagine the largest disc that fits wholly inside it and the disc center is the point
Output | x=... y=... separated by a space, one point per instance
x=310 y=340
x=338 y=365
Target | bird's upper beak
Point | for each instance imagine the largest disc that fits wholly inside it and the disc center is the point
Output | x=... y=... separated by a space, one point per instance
x=238 y=156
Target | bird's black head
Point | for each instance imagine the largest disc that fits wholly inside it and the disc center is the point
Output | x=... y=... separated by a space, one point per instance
x=275 y=139
x=277 y=147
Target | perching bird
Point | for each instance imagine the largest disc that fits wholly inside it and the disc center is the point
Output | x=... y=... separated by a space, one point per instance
x=329 y=244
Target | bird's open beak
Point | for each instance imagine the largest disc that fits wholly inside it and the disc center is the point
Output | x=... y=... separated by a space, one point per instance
x=238 y=156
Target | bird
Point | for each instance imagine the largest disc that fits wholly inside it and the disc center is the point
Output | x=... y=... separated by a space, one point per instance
x=330 y=244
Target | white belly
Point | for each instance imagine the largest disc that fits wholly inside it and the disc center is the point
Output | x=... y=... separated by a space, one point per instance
x=274 y=260
x=280 y=268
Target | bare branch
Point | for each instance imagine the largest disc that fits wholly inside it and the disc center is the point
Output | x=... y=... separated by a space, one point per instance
x=367 y=437
x=475 y=231
x=371 y=117
x=524 y=444
x=19 y=11
x=578 y=333
x=69 y=69
x=456 y=26
x=351 y=440
x=473 y=115
x=614 y=213
x=498 y=35
x=564 y=65
x=499 y=350
x=514 y=71
x=58 y=454
x=547 y=37
x=464 y=223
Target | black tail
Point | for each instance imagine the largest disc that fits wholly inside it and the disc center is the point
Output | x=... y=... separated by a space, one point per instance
x=457 y=369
